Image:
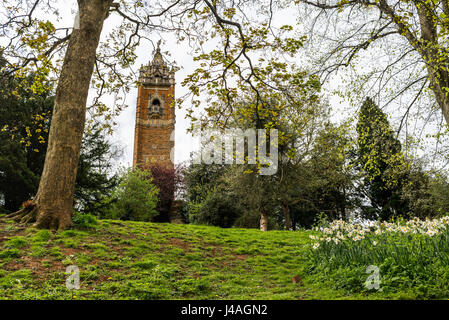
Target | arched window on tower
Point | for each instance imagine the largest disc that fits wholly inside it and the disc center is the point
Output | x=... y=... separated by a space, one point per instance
x=155 y=108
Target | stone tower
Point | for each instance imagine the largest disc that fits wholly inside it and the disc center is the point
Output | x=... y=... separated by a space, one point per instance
x=155 y=113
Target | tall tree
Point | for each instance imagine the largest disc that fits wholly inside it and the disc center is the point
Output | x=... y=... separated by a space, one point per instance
x=196 y=20
x=379 y=155
x=296 y=116
x=53 y=204
x=95 y=177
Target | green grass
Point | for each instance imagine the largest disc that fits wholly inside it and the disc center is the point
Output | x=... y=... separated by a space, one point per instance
x=137 y=260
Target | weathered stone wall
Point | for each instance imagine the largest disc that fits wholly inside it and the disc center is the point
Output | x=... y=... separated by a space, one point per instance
x=152 y=141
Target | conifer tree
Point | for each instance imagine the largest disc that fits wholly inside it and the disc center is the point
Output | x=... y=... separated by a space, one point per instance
x=380 y=159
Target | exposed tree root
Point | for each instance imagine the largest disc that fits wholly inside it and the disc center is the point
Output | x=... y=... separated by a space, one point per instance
x=32 y=213
x=28 y=214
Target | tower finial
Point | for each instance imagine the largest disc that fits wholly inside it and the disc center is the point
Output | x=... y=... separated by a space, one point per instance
x=158 y=60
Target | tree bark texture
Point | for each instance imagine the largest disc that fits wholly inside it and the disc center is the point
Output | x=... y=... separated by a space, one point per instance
x=288 y=220
x=53 y=205
x=263 y=221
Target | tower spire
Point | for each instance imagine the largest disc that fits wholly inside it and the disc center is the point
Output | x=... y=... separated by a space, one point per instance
x=158 y=60
x=157 y=70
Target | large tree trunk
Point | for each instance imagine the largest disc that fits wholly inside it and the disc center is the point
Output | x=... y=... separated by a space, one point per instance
x=263 y=221
x=288 y=220
x=53 y=205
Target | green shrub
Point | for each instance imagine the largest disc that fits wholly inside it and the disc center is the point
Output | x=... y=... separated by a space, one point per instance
x=135 y=198
x=251 y=219
x=218 y=209
x=84 y=221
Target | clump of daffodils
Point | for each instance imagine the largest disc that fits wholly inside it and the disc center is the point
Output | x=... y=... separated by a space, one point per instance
x=340 y=230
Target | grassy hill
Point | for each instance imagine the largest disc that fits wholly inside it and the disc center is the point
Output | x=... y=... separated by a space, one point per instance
x=137 y=260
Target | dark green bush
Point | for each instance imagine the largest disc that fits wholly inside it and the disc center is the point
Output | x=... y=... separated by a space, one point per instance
x=218 y=209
